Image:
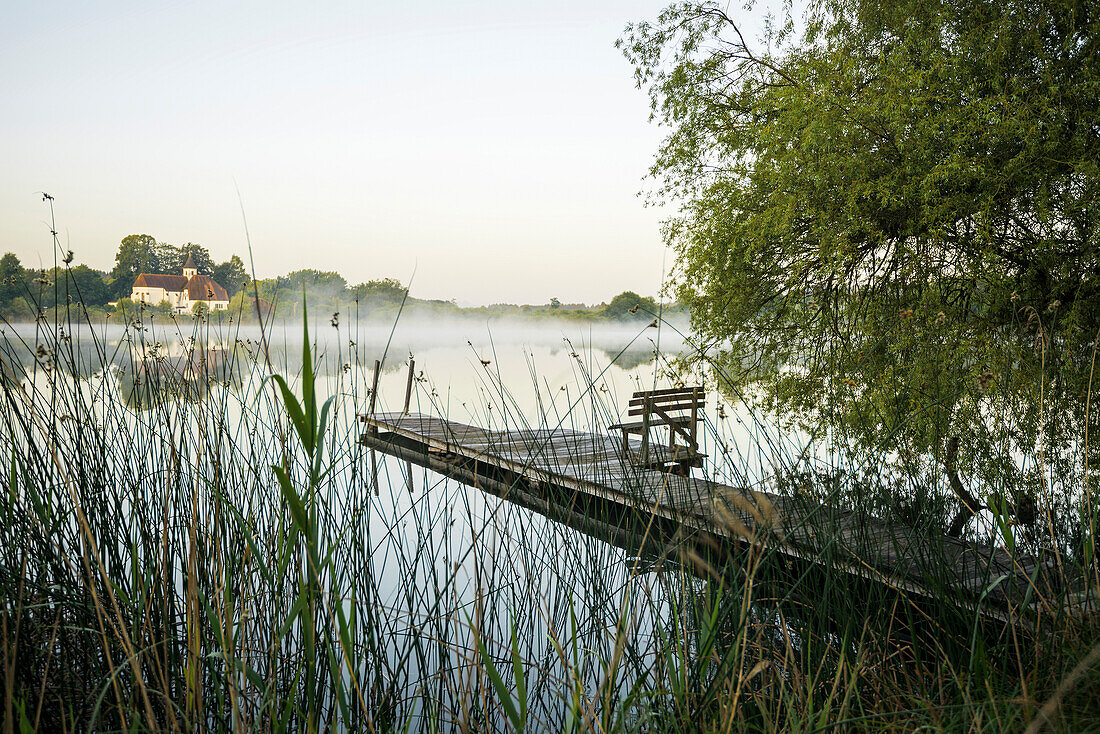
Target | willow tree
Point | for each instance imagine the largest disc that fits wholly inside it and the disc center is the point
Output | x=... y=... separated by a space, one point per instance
x=887 y=215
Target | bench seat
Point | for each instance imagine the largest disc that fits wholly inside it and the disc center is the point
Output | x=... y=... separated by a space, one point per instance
x=676 y=409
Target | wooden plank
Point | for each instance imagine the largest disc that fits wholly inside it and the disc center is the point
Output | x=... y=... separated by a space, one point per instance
x=642 y=394
x=638 y=426
x=673 y=408
x=594 y=466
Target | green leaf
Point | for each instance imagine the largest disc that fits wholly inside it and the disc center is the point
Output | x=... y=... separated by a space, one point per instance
x=317 y=450
x=294 y=410
x=13 y=480
x=297 y=509
x=245 y=530
x=518 y=673
x=301 y=603
x=503 y=694
x=309 y=396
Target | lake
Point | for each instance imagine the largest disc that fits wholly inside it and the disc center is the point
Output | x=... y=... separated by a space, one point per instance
x=173 y=475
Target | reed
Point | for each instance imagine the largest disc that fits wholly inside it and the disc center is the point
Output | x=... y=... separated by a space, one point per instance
x=214 y=554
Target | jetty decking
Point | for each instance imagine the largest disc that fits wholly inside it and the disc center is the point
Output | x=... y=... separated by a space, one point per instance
x=565 y=473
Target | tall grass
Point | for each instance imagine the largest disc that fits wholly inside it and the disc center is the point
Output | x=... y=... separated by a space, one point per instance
x=215 y=554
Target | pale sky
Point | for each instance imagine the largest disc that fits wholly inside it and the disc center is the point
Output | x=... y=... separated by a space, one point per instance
x=496 y=147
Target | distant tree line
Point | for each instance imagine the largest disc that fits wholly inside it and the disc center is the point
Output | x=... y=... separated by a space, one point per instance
x=327 y=292
x=25 y=292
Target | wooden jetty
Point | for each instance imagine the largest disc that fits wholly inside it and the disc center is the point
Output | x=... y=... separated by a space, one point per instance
x=589 y=481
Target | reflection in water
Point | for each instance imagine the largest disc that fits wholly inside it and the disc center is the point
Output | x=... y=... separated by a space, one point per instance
x=628 y=359
x=188 y=428
x=152 y=361
x=188 y=378
x=12 y=371
x=183 y=504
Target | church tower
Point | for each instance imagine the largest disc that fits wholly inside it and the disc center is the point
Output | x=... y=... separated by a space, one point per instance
x=189 y=269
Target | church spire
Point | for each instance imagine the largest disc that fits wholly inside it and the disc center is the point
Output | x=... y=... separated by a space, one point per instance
x=189 y=269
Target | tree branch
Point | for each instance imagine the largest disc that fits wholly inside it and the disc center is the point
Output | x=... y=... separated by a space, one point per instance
x=971 y=505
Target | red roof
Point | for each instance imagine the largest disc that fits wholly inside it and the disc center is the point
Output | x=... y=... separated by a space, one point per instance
x=199 y=287
x=203 y=288
x=167 y=282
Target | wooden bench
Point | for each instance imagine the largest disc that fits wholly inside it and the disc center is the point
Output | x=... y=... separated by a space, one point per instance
x=677 y=409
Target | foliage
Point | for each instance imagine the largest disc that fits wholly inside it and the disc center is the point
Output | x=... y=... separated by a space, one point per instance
x=137 y=253
x=47 y=288
x=312 y=281
x=630 y=306
x=172 y=258
x=231 y=275
x=383 y=292
x=76 y=284
x=127 y=305
x=888 y=221
x=242 y=306
x=304 y=513
x=17 y=309
x=12 y=283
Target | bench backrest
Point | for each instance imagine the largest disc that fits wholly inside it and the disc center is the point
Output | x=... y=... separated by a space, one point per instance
x=670 y=400
x=675 y=407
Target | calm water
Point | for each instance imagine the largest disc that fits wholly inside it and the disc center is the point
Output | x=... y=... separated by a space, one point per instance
x=500 y=560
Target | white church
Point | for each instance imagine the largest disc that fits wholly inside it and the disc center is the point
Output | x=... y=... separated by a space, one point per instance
x=181 y=291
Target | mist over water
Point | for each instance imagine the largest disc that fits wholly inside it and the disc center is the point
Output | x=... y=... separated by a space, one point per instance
x=503 y=372
x=420 y=526
x=626 y=344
